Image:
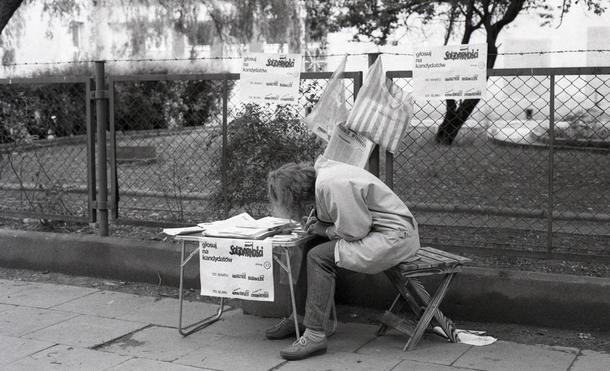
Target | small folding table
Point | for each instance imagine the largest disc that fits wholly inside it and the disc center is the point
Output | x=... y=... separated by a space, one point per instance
x=281 y=247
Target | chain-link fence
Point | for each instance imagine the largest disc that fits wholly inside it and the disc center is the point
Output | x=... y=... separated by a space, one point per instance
x=528 y=170
x=43 y=147
x=185 y=149
x=164 y=146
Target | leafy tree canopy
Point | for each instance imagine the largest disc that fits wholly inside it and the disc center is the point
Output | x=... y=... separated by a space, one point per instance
x=379 y=19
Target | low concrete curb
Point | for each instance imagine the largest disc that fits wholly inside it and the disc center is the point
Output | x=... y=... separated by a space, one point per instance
x=478 y=294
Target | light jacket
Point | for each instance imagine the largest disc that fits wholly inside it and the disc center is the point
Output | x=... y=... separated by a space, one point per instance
x=375 y=228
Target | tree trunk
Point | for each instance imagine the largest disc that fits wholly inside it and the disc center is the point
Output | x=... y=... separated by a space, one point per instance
x=455 y=117
x=7 y=9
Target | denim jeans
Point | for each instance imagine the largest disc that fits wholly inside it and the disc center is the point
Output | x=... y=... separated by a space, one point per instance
x=321 y=276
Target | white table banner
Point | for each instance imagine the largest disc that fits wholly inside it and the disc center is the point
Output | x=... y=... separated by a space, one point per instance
x=450 y=72
x=270 y=78
x=236 y=268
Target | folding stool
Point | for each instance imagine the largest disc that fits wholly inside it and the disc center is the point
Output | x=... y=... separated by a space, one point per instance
x=428 y=261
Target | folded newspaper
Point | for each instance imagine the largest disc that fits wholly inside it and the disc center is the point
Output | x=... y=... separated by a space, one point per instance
x=182 y=230
x=245 y=226
x=238 y=226
x=347 y=146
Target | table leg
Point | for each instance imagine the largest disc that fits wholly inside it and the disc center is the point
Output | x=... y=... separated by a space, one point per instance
x=189 y=329
x=294 y=306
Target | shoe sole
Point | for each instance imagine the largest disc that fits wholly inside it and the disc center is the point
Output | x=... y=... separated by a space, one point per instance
x=298 y=357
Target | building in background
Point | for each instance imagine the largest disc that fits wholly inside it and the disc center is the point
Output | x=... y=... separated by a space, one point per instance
x=160 y=38
x=147 y=30
x=147 y=37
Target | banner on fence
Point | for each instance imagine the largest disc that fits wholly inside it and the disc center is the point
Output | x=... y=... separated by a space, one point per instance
x=236 y=268
x=270 y=78
x=450 y=72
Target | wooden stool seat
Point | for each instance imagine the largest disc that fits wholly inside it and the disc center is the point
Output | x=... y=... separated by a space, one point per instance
x=428 y=261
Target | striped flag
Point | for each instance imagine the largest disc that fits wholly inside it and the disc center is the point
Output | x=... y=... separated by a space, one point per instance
x=382 y=110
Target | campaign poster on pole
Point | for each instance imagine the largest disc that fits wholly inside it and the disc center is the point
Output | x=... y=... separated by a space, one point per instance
x=236 y=268
x=270 y=78
x=450 y=72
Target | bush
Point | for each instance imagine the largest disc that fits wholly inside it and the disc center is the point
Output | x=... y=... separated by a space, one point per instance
x=33 y=111
x=146 y=105
x=259 y=140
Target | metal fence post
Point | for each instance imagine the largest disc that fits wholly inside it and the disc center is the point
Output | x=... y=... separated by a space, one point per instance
x=389 y=169
x=225 y=98
x=114 y=181
x=551 y=169
x=373 y=163
x=91 y=130
x=101 y=106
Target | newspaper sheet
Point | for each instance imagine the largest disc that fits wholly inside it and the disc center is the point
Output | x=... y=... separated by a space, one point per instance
x=183 y=230
x=245 y=226
x=347 y=146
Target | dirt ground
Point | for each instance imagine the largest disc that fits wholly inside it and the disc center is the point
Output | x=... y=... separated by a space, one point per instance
x=585 y=339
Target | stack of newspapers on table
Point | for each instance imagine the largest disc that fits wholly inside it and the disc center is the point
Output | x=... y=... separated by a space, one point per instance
x=239 y=226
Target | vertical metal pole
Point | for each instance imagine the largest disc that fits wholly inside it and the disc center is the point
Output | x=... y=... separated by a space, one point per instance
x=357 y=84
x=225 y=97
x=101 y=106
x=292 y=299
x=91 y=202
x=373 y=164
x=551 y=168
x=389 y=169
x=114 y=183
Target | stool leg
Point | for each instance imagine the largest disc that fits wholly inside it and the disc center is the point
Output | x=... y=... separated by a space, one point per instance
x=396 y=304
x=400 y=284
x=445 y=322
x=429 y=312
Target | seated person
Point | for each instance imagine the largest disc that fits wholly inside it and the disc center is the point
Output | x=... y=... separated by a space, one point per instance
x=369 y=229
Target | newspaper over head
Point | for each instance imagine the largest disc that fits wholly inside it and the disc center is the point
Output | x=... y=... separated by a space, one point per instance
x=349 y=147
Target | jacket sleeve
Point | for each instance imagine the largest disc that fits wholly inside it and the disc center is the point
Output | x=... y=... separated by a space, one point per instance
x=345 y=201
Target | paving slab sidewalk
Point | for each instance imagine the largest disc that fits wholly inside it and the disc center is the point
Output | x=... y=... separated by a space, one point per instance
x=59 y=327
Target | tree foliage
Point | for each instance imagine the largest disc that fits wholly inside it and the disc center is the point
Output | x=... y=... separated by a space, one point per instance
x=259 y=141
x=377 y=20
x=230 y=22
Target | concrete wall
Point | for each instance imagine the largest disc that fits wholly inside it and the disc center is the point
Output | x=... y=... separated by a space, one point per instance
x=477 y=294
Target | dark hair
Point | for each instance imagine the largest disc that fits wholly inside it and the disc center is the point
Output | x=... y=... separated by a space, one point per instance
x=291 y=190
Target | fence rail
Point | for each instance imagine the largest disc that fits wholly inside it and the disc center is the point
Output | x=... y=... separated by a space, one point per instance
x=529 y=170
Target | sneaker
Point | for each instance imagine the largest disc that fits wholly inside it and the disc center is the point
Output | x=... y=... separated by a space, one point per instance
x=283 y=329
x=303 y=348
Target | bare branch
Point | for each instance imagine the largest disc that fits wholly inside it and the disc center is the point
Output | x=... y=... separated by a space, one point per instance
x=511 y=13
x=452 y=16
x=565 y=6
x=7 y=9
